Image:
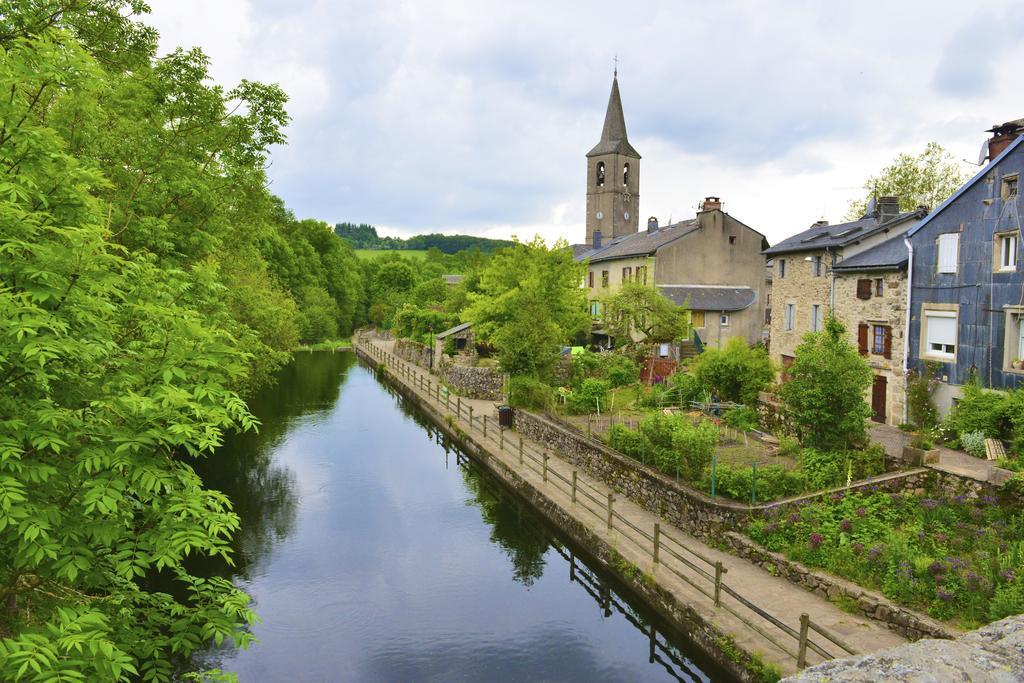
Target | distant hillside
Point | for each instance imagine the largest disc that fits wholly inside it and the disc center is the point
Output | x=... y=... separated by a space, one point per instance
x=365 y=236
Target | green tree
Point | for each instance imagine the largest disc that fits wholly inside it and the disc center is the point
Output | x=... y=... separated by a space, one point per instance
x=639 y=310
x=529 y=305
x=923 y=180
x=736 y=372
x=824 y=398
x=115 y=371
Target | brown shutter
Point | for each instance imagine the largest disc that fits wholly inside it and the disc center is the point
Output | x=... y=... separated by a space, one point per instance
x=590 y=279
x=864 y=289
x=862 y=339
x=887 y=342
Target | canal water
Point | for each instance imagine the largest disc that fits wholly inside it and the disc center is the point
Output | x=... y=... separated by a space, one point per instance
x=374 y=551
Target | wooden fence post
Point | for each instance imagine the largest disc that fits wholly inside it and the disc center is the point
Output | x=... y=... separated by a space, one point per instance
x=545 y=468
x=471 y=418
x=657 y=541
x=520 y=449
x=801 y=657
x=501 y=437
x=458 y=406
x=610 y=513
x=719 y=570
x=574 y=487
x=485 y=426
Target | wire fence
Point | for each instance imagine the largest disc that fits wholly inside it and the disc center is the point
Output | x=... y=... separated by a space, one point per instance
x=665 y=550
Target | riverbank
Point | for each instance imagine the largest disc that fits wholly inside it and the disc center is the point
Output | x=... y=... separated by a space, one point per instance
x=744 y=618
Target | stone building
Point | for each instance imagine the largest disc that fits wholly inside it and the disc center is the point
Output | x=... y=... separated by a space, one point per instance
x=871 y=301
x=804 y=279
x=713 y=262
x=967 y=299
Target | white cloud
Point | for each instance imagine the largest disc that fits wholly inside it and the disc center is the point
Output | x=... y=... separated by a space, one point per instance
x=475 y=116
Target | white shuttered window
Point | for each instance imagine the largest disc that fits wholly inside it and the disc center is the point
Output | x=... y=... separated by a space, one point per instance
x=949 y=248
x=940 y=334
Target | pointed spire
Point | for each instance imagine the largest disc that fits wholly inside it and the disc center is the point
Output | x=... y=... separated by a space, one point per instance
x=613 y=136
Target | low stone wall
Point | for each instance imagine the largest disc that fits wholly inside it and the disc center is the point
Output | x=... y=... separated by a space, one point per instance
x=871 y=604
x=414 y=352
x=473 y=382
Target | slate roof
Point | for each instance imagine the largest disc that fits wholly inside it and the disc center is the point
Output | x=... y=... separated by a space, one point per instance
x=640 y=243
x=840 y=235
x=709 y=297
x=966 y=186
x=889 y=255
x=453 y=279
x=613 y=136
x=453 y=330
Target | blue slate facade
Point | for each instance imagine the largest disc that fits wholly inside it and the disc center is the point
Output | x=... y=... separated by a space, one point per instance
x=984 y=297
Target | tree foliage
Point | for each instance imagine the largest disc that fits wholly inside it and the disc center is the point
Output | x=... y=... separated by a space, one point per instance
x=923 y=180
x=640 y=311
x=736 y=372
x=824 y=397
x=529 y=305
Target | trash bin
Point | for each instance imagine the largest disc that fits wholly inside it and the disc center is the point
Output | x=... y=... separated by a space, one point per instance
x=505 y=417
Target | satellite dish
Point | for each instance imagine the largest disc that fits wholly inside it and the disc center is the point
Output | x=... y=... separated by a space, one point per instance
x=983 y=154
x=870 y=211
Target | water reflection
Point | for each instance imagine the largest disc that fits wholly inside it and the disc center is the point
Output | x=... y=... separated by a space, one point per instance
x=375 y=551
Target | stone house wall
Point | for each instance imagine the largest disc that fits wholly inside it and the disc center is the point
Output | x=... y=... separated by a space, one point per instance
x=801 y=288
x=414 y=352
x=889 y=309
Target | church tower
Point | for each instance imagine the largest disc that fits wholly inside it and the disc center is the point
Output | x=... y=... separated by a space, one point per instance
x=613 y=178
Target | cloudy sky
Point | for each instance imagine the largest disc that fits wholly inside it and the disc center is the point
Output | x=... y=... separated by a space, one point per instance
x=474 y=116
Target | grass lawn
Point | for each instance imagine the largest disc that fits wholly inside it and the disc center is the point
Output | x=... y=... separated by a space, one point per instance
x=414 y=254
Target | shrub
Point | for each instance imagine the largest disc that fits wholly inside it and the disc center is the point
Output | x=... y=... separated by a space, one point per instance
x=684 y=388
x=1007 y=601
x=824 y=398
x=620 y=370
x=656 y=396
x=529 y=392
x=591 y=396
x=973 y=443
x=742 y=418
x=923 y=441
x=736 y=372
x=823 y=469
x=920 y=389
x=773 y=482
x=694 y=444
x=983 y=411
x=627 y=441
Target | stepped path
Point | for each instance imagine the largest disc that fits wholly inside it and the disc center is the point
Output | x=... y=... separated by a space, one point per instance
x=760 y=611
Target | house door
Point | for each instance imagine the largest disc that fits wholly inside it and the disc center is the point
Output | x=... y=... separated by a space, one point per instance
x=878 y=391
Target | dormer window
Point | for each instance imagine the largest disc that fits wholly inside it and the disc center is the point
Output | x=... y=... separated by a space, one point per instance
x=625 y=174
x=600 y=174
x=1010 y=187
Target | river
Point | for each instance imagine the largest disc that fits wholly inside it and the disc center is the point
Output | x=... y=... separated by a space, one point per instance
x=375 y=551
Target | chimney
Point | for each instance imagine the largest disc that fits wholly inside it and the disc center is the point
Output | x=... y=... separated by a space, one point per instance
x=1002 y=135
x=597 y=239
x=887 y=208
x=652 y=224
x=821 y=223
x=711 y=204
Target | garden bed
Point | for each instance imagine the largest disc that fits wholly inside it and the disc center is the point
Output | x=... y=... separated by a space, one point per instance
x=959 y=559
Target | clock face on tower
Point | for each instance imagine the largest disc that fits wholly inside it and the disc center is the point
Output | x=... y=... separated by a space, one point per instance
x=600 y=215
x=626 y=215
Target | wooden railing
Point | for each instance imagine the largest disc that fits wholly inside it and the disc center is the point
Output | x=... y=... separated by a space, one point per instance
x=703 y=574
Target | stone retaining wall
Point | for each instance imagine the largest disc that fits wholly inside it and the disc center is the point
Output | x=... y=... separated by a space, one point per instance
x=473 y=382
x=414 y=352
x=872 y=605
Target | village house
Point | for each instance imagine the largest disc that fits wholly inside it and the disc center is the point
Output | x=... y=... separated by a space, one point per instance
x=967 y=288
x=809 y=283
x=713 y=263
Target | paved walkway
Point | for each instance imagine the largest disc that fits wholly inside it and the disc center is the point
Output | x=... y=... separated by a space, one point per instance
x=686 y=565
x=954 y=462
